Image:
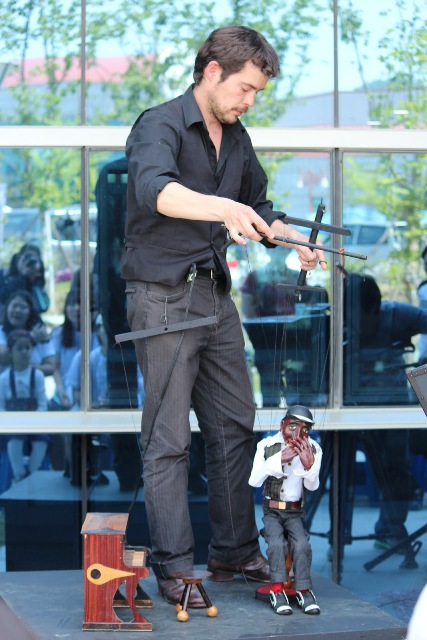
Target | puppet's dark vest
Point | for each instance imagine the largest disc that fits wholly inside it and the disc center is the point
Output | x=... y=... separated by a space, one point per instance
x=273 y=485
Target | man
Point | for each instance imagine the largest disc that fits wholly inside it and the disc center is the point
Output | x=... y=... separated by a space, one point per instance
x=288 y=462
x=193 y=175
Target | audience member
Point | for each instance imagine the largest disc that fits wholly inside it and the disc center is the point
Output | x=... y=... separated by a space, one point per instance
x=283 y=351
x=377 y=335
x=21 y=314
x=261 y=293
x=97 y=370
x=22 y=388
x=66 y=340
x=26 y=271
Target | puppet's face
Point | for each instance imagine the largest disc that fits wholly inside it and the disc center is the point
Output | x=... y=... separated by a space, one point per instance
x=293 y=428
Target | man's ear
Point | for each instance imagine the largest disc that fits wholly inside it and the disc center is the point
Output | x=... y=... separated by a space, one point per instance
x=213 y=71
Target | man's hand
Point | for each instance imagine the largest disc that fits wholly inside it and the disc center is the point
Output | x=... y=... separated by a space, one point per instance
x=302 y=448
x=307 y=257
x=241 y=221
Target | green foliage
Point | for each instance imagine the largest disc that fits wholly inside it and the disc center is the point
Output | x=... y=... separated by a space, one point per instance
x=161 y=55
x=396 y=185
x=160 y=46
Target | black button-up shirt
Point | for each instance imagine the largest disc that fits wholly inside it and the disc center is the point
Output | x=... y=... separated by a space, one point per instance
x=170 y=143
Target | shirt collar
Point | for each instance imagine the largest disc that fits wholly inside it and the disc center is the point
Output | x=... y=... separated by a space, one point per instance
x=192 y=115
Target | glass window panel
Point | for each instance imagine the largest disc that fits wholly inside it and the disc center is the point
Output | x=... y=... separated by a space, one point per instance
x=310 y=103
x=384 y=319
x=286 y=335
x=40 y=515
x=40 y=254
x=382 y=79
x=40 y=63
x=289 y=349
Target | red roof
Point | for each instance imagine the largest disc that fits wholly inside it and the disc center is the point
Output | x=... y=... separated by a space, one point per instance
x=100 y=70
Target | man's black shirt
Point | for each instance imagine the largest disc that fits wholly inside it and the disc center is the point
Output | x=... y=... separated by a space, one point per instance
x=170 y=143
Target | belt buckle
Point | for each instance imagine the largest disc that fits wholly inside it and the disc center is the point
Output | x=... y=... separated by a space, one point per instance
x=281 y=505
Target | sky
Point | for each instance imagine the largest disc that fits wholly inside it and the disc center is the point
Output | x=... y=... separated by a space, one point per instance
x=319 y=76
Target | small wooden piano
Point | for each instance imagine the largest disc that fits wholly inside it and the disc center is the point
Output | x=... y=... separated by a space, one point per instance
x=109 y=563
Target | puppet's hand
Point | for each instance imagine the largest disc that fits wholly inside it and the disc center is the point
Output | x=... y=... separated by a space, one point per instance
x=303 y=448
x=288 y=453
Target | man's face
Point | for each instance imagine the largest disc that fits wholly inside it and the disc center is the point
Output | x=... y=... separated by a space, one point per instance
x=228 y=100
x=293 y=428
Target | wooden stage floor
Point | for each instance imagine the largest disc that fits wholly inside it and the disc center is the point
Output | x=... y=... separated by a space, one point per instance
x=50 y=604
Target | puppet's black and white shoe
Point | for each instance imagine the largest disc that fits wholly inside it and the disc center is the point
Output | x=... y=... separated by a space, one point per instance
x=307 y=602
x=280 y=603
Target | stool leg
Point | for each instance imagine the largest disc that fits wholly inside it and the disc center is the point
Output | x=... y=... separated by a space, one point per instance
x=204 y=595
x=185 y=596
x=181 y=609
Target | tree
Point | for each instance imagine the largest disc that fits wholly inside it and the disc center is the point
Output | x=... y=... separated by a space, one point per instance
x=397 y=186
x=162 y=55
x=160 y=46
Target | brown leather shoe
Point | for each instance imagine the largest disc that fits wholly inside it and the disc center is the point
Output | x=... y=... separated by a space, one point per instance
x=256 y=569
x=171 y=589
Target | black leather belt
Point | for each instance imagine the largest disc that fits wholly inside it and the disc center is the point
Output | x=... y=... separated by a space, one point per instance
x=274 y=504
x=210 y=273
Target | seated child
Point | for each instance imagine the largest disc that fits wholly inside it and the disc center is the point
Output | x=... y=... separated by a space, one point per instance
x=288 y=462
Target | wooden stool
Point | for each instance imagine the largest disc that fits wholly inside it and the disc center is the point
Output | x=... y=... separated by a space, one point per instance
x=108 y=563
x=189 y=578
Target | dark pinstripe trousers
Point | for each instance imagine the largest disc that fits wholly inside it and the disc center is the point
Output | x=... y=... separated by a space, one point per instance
x=204 y=368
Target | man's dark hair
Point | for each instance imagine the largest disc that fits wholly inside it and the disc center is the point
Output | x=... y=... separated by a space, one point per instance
x=232 y=47
x=423 y=255
x=362 y=292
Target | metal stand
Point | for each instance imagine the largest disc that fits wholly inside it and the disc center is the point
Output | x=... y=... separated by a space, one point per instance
x=410 y=545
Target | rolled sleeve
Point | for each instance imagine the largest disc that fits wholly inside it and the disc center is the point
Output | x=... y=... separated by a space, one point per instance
x=152 y=150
